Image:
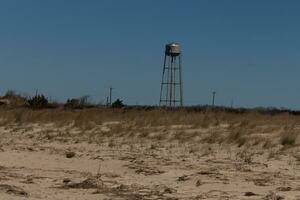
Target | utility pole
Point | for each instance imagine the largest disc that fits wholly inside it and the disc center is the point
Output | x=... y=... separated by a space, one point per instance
x=213 y=99
x=110 y=95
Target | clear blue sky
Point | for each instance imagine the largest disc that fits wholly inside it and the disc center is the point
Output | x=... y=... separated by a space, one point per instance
x=248 y=51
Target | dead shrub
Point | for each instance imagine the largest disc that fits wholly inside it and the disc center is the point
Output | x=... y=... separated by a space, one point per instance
x=194 y=149
x=112 y=143
x=267 y=144
x=288 y=138
x=212 y=137
x=237 y=136
x=245 y=156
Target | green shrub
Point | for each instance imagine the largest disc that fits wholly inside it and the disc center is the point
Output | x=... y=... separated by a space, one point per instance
x=117 y=104
x=10 y=93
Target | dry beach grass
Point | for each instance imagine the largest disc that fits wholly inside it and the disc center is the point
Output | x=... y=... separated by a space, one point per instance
x=148 y=154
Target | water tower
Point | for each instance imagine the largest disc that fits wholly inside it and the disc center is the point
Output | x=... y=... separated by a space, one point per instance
x=171 y=92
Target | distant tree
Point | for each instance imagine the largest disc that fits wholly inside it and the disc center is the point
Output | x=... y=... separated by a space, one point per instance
x=117 y=104
x=38 y=101
x=84 y=100
x=10 y=93
x=78 y=103
x=73 y=103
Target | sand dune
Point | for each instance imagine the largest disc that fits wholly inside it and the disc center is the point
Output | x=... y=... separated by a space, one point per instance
x=125 y=159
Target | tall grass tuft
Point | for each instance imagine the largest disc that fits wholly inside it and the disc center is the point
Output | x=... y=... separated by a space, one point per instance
x=288 y=138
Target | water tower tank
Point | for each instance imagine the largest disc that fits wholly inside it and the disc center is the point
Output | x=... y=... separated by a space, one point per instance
x=173 y=49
